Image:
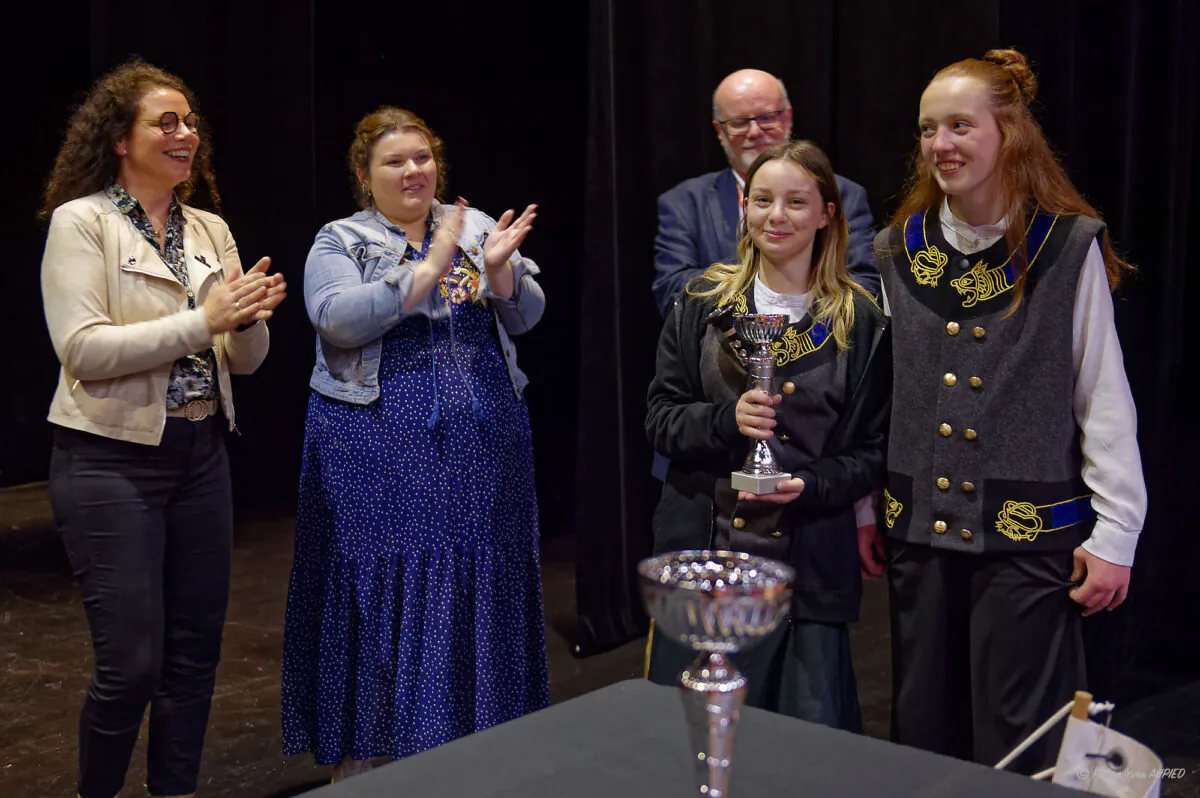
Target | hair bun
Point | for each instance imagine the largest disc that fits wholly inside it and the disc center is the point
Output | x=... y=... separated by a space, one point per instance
x=1018 y=69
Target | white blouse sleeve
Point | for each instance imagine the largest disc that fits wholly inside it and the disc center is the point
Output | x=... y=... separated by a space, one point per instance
x=1104 y=410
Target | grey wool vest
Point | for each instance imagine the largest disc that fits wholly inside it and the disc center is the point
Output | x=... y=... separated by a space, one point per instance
x=984 y=450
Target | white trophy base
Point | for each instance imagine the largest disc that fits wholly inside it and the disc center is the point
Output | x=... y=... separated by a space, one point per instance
x=758 y=484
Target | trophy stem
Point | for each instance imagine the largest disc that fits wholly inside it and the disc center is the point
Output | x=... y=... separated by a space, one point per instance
x=713 y=693
x=761 y=369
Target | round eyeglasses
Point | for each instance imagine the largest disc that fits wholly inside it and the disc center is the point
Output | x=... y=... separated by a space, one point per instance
x=169 y=122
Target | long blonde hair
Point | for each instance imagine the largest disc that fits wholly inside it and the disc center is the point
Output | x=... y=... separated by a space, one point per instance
x=829 y=284
x=1030 y=173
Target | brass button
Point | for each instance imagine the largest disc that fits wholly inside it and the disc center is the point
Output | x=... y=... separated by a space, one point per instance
x=967 y=487
x=979 y=332
x=739 y=523
x=789 y=387
x=943 y=483
x=952 y=328
x=776 y=534
x=966 y=534
x=975 y=382
x=939 y=527
x=945 y=430
x=783 y=438
x=950 y=380
x=970 y=434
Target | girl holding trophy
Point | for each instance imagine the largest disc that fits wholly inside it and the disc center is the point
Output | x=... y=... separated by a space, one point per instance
x=824 y=422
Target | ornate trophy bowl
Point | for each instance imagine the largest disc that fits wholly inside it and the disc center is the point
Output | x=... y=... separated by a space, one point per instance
x=715 y=602
x=760 y=329
x=760 y=474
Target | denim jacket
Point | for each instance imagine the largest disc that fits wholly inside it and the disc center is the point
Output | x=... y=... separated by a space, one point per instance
x=355 y=285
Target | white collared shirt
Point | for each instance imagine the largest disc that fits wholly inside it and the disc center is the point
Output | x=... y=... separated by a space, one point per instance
x=1103 y=404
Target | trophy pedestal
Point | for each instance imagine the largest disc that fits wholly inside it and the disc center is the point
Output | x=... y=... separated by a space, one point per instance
x=758 y=484
x=713 y=693
x=716 y=602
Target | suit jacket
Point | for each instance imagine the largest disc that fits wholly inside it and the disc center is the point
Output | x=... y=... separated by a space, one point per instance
x=697 y=226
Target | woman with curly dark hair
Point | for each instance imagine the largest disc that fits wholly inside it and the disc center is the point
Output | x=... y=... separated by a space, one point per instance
x=149 y=312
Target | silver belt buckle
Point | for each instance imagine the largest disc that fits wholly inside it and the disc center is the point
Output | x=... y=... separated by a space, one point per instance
x=196 y=410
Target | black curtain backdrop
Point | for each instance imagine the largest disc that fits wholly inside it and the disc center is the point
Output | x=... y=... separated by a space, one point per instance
x=591 y=111
x=281 y=85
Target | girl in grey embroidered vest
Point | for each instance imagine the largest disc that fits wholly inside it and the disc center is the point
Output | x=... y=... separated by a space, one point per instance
x=1013 y=427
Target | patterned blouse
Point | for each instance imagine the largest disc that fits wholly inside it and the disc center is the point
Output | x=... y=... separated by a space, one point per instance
x=461 y=283
x=193 y=376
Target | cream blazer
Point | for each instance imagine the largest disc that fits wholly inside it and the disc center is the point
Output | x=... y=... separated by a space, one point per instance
x=119 y=318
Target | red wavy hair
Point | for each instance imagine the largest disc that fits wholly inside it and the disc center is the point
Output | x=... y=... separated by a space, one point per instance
x=1031 y=173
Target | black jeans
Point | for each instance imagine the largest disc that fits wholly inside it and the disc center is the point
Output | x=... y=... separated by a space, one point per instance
x=149 y=532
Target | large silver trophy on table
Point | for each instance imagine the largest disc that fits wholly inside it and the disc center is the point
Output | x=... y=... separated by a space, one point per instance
x=716 y=602
x=759 y=473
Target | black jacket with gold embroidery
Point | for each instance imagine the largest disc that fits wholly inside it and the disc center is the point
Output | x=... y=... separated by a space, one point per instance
x=831 y=432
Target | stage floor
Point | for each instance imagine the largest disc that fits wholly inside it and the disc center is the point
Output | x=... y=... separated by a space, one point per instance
x=45 y=661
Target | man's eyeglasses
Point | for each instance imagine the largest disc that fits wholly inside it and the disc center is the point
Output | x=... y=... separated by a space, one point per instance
x=740 y=125
x=169 y=122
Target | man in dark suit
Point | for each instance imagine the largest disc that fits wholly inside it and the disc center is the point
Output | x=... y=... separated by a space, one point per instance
x=698 y=219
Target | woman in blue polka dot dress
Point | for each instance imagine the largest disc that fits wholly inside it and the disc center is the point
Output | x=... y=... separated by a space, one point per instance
x=414 y=612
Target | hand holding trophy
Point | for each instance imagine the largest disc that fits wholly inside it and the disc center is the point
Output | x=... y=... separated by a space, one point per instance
x=760 y=474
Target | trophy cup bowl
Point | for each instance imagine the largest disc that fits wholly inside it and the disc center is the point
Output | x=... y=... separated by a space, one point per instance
x=760 y=474
x=759 y=329
x=715 y=602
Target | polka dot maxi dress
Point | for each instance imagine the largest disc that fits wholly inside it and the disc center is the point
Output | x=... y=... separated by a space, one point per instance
x=414 y=614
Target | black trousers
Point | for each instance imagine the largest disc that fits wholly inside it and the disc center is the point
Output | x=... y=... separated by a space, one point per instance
x=984 y=650
x=149 y=532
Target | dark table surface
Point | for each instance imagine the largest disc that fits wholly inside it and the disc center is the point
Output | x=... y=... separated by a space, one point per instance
x=629 y=739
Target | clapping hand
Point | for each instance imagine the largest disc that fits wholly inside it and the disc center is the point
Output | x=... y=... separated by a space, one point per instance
x=276 y=290
x=506 y=236
x=445 y=240
x=241 y=299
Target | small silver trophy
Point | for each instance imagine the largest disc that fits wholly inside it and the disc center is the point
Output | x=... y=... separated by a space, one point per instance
x=716 y=602
x=759 y=473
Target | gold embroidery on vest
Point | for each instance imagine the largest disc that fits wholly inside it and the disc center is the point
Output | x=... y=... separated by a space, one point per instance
x=928 y=265
x=739 y=304
x=1022 y=521
x=981 y=283
x=891 y=509
x=793 y=346
x=1019 y=521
